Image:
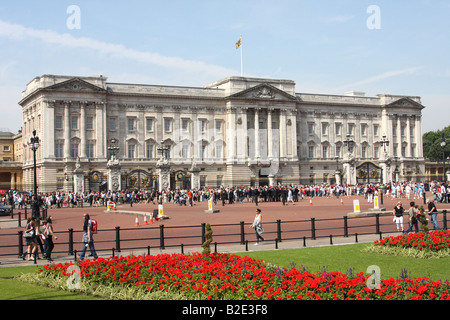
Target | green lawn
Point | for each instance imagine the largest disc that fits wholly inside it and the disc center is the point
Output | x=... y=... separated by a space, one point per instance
x=16 y=290
x=331 y=258
x=344 y=257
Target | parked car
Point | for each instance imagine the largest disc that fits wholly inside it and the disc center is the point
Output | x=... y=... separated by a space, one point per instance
x=5 y=210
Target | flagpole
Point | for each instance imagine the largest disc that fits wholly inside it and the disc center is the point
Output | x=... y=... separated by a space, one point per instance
x=242 y=60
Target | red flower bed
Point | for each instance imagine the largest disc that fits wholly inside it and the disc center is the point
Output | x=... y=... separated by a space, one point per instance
x=226 y=276
x=434 y=241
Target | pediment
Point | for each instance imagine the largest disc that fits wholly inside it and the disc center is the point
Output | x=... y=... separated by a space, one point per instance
x=405 y=103
x=264 y=91
x=76 y=84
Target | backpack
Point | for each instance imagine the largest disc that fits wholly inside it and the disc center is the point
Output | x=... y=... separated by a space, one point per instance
x=94 y=225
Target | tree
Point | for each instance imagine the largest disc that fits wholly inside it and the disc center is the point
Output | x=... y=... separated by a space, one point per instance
x=208 y=240
x=423 y=220
x=432 y=144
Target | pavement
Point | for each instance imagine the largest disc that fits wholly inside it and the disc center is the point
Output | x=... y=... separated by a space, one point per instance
x=328 y=213
x=233 y=248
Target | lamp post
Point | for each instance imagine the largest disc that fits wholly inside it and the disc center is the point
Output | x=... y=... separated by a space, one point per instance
x=384 y=142
x=34 y=145
x=443 y=144
x=350 y=162
x=113 y=148
x=349 y=143
x=163 y=150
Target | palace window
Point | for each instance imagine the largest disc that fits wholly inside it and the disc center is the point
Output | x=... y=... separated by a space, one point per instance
x=149 y=151
x=90 y=150
x=131 y=151
x=58 y=122
x=89 y=123
x=74 y=150
x=149 y=125
x=131 y=124
x=59 y=150
x=74 y=123
x=167 y=125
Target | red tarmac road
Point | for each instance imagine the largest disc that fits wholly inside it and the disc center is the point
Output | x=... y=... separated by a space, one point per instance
x=296 y=222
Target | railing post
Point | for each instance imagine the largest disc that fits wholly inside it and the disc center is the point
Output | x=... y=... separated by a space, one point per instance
x=279 y=230
x=70 y=241
x=377 y=219
x=444 y=217
x=313 y=228
x=20 y=243
x=203 y=233
x=345 y=227
x=118 y=239
x=19 y=219
x=161 y=237
x=242 y=233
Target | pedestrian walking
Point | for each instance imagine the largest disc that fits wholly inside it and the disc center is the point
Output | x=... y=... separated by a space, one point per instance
x=257 y=225
x=30 y=238
x=398 y=216
x=412 y=212
x=88 y=239
x=432 y=211
x=48 y=238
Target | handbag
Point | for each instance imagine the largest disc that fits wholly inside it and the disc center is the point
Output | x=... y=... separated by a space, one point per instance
x=259 y=228
x=28 y=234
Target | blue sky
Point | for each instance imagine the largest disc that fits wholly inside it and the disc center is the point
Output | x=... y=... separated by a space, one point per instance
x=324 y=46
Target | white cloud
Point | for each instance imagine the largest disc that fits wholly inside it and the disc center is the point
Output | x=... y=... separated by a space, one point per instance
x=379 y=77
x=19 y=32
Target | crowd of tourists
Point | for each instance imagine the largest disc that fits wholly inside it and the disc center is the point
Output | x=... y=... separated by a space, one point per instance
x=42 y=231
x=285 y=194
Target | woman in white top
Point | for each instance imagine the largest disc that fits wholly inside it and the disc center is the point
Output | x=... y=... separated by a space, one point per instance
x=257 y=225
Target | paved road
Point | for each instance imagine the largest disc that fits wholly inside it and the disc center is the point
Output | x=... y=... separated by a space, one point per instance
x=324 y=210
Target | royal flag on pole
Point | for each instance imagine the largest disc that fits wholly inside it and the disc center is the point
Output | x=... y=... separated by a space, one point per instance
x=238 y=44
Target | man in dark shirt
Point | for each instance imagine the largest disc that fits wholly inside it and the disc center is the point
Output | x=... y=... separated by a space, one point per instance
x=432 y=211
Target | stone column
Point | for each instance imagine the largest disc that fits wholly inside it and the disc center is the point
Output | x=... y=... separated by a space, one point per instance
x=114 y=175
x=78 y=179
x=282 y=133
x=408 y=136
x=269 y=135
x=66 y=129
x=231 y=135
x=350 y=172
x=195 y=177
x=83 y=130
x=257 y=145
x=163 y=170
x=337 y=176
x=101 y=137
x=418 y=136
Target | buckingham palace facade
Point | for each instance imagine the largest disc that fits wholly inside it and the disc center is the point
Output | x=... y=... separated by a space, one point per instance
x=236 y=131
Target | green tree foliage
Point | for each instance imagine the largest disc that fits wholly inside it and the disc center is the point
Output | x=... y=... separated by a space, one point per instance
x=208 y=239
x=432 y=144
